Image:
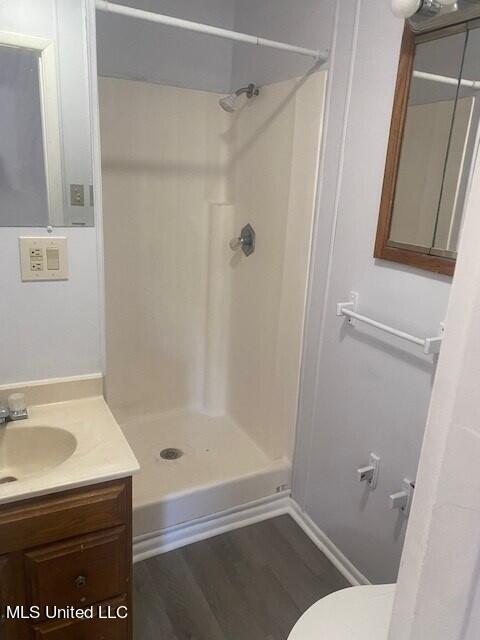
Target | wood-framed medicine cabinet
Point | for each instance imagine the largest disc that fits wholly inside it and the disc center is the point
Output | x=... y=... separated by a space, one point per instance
x=433 y=140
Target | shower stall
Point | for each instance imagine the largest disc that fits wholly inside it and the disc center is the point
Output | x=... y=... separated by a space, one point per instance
x=208 y=201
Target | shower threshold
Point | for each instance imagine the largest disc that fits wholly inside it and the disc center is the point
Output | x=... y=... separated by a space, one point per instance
x=220 y=467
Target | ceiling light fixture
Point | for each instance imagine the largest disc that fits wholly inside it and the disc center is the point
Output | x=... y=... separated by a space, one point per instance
x=408 y=8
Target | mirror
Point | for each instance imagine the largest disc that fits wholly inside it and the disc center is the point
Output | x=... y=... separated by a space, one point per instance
x=45 y=117
x=433 y=139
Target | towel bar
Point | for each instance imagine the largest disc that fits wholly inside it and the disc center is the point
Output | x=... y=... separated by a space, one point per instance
x=348 y=310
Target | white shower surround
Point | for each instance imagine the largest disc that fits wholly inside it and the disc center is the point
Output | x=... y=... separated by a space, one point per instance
x=193 y=331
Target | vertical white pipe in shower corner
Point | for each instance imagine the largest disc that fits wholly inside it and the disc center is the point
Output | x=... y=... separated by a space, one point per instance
x=220 y=225
x=221 y=219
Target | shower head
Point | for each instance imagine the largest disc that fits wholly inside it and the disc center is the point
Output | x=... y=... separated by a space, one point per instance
x=228 y=103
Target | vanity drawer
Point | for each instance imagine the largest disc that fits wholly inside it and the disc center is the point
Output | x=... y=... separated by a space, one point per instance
x=79 y=571
x=95 y=629
x=38 y=521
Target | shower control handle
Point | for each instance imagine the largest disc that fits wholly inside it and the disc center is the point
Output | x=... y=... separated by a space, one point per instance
x=236 y=243
x=245 y=241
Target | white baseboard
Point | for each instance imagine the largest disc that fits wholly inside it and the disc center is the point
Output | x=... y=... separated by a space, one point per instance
x=323 y=542
x=149 y=545
x=153 y=544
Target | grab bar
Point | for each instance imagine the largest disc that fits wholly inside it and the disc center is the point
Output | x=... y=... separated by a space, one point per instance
x=348 y=310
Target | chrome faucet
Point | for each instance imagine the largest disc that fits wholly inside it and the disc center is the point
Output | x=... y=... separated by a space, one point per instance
x=16 y=410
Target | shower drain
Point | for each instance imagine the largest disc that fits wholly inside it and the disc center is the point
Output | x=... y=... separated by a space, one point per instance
x=171 y=453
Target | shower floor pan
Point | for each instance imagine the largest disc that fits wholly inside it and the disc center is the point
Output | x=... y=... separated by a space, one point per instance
x=207 y=465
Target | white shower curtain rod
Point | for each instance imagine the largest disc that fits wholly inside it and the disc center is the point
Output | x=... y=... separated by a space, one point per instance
x=433 y=77
x=226 y=34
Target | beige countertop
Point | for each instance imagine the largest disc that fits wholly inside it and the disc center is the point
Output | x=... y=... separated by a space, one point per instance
x=101 y=453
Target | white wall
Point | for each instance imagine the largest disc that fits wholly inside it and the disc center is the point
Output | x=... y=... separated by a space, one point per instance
x=306 y=23
x=362 y=391
x=49 y=329
x=135 y=49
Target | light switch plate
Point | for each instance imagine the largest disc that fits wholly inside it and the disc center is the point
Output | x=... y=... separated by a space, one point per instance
x=43 y=258
x=77 y=195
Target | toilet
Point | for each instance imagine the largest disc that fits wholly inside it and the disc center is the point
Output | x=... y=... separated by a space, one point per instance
x=356 y=613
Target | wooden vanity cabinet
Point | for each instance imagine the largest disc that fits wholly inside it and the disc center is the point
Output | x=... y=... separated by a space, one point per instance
x=68 y=550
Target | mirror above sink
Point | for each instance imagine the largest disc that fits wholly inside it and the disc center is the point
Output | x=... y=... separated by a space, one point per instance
x=46 y=173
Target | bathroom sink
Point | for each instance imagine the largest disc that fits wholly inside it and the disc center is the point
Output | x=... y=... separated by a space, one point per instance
x=28 y=451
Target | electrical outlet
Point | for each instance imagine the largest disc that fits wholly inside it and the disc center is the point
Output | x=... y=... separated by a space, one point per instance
x=43 y=258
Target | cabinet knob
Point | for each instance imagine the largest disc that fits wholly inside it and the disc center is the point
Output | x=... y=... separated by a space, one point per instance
x=80 y=581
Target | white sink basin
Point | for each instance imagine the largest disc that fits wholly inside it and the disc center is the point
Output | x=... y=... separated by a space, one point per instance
x=28 y=451
x=62 y=446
